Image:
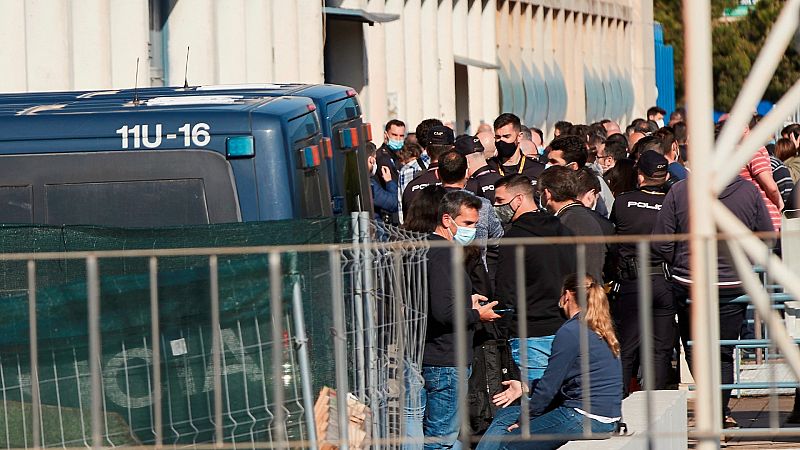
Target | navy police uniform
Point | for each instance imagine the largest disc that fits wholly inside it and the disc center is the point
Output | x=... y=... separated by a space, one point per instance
x=634 y=213
x=527 y=166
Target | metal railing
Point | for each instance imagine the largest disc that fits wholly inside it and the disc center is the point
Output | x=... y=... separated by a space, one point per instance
x=252 y=383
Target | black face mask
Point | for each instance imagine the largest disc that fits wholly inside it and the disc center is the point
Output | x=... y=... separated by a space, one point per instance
x=505 y=149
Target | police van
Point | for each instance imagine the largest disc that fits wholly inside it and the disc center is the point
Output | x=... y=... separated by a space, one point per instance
x=162 y=160
x=337 y=108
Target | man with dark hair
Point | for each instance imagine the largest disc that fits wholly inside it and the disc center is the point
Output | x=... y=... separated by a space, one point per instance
x=791 y=131
x=393 y=137
x=745 y=201
x=679 y=115
x=614 y=150
x=440 y=140
x=682 y=138
x=411 y=171
x=457 y=218
x=479 y=171
x=559 y=191
x=453 y=174
x=510 y=159
x=656 y=114
x=670 y=150
x=635 y=213
x=644 y=144
x=544 y=268
x=387 y=158
x=570 y=152
x=561 y=127
x=596 y=144
x=384 y=196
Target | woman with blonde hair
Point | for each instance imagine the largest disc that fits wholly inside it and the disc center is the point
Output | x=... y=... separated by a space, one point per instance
x=557 y=401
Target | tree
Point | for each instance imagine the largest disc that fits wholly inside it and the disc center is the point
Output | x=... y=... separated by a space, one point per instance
x=754 y=31
x=669 y=14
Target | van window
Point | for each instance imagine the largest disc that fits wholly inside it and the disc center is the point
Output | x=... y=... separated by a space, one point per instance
x=151 y=203
x=343 y=110
x=125 y=189
x=313 y=183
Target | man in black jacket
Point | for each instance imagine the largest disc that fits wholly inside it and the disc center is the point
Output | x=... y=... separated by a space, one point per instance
x=544 y=270
x=457 y=218
x=559 y=188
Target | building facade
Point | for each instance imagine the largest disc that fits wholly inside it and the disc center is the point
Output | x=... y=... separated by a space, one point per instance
x=462 y=61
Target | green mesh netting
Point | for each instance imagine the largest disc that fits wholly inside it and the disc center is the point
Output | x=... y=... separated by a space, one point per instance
x=184 y=299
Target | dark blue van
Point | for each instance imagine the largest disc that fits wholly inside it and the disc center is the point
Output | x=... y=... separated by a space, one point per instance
x=161 y=161
x=337 y=106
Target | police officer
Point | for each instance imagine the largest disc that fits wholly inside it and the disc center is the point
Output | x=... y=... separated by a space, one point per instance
x=393 y=135
x=440 y=141
x=634 y=213
x=509 y=159
x=481 y=176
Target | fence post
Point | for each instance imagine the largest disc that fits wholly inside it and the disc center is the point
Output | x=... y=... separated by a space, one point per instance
x=34 y=350
x=703 y=259
x=368 y=298
x=339 y=347
x=302 y=351
x=93 y=291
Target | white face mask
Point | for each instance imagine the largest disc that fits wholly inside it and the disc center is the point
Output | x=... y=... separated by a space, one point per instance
x=374 y=169
x=660 y=123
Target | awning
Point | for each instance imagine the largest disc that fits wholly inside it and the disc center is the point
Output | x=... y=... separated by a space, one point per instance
x=463 y=60
x=359 y=15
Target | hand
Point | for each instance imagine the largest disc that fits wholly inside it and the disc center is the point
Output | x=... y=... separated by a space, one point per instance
x=486 y=312
x=477 y=299
x=386 y=174
x=507 y=397
x=512 y=427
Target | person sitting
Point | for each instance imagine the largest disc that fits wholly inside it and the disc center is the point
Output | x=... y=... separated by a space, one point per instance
x=557 y=402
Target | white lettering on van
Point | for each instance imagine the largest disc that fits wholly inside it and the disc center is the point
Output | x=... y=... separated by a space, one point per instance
x=136 y=136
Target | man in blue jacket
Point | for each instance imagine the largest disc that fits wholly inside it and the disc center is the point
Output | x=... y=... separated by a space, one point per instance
x=384 y=195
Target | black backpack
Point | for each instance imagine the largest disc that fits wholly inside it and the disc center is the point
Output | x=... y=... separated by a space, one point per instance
x=492 y=364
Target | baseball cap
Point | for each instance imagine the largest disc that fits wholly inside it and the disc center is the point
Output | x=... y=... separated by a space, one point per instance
x=652 y=164
x=466 y=145
x=441 y=136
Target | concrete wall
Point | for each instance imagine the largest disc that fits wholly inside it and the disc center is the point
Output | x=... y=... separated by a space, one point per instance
x=668 y=428
x=529 y=57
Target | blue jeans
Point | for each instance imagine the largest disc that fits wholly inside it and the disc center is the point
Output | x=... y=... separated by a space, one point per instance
x=414 y=407
x=561 y=420
x=539 y=349
x=440 y=400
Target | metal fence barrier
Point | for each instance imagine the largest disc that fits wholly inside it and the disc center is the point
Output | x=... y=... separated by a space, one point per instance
x=250 y=383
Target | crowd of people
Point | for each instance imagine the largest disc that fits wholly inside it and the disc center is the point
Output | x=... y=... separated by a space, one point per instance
x=508 y=181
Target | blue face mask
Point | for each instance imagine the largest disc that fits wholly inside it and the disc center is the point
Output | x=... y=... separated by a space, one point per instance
x=541 y=149
x=394 y=145
x=464 y=235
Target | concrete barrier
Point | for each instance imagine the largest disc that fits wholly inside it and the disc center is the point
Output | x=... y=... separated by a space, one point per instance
x=668 y=424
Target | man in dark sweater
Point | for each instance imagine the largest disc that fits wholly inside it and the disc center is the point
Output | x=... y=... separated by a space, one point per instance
x=457 y=218
x=544 y=270
x=744 y=200
x=559 y=188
